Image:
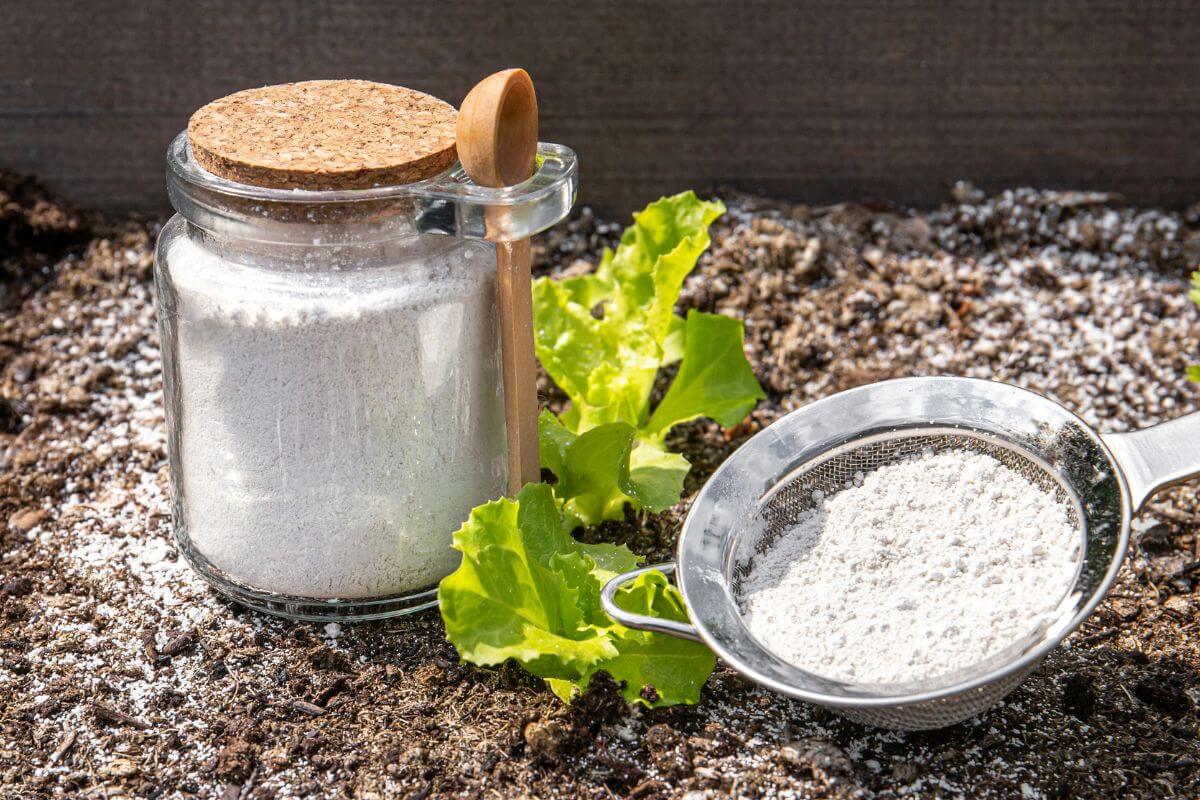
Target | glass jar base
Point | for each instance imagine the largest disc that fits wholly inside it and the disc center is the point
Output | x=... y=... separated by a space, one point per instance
x=309 y=609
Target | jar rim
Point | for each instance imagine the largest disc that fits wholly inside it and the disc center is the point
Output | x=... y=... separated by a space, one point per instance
x=183 y=168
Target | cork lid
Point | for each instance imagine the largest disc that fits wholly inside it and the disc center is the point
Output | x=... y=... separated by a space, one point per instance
x=343 y=134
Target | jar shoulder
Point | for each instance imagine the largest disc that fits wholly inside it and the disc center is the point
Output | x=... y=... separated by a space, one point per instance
x=196 y=270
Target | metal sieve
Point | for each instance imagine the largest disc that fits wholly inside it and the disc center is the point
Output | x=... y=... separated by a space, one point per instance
x=767 y=483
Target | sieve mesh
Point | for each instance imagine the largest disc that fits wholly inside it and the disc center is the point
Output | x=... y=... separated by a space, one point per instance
x=939 y=713
x=843 y=467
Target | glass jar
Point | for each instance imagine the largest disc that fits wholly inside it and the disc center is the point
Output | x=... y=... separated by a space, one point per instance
x=332 y=378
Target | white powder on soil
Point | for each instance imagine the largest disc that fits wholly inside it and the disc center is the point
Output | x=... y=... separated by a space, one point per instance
x=334 y=428
x=929 y=566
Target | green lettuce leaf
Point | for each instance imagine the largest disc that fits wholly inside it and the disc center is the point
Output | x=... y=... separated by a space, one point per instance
x=673 y=345
x=656 y=253
x=676 y=668
x=528 y=591
x=568 y=339
x=594 y=470
x=601 y=470
x=655 y=476
x=714 y=379
x=518 y=592
x=605 y=366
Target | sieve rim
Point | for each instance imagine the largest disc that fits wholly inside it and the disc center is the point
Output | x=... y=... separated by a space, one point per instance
x=692 y=572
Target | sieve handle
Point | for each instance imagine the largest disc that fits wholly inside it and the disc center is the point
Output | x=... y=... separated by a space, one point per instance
x=641 y=622
x=1157 y=457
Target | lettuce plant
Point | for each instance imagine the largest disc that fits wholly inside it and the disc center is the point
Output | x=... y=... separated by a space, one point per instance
x=527 y=590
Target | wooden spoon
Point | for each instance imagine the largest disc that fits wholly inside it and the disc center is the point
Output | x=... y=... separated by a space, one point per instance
x=497 y=144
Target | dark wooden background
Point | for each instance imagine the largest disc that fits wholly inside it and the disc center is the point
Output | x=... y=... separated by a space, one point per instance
x=885 y=99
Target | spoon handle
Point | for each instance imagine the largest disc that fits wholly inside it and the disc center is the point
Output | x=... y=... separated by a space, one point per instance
x=519 y=362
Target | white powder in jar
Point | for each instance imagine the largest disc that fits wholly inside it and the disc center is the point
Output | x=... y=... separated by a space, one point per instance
x=333 y=428
x=922 y=568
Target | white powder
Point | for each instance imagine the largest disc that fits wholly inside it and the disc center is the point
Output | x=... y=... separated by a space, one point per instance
x=334 y=428
x=929 y=566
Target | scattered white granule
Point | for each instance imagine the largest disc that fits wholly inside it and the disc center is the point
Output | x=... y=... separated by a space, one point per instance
x=918 y=569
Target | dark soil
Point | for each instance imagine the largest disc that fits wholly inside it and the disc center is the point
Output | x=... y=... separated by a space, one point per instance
x=123 y=675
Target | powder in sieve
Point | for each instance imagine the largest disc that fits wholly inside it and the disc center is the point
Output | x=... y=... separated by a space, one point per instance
x=334 y=427
x=925 y=567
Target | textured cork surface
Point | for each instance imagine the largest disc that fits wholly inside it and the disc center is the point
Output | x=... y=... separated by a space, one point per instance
x=341 y=134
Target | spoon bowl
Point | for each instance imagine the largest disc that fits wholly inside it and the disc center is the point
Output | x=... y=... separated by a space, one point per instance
x=497 y=129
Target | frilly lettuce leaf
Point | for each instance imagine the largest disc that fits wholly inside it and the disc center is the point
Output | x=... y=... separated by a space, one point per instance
x=528 y=591
x=518 y=592
x=594 y=469
x=656 y=253
x=604 y=468
x=676 y=668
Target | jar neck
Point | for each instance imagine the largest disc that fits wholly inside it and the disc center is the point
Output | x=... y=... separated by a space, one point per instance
x=301 y=255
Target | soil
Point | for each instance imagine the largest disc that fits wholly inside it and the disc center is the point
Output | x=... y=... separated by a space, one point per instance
x=123 y=675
